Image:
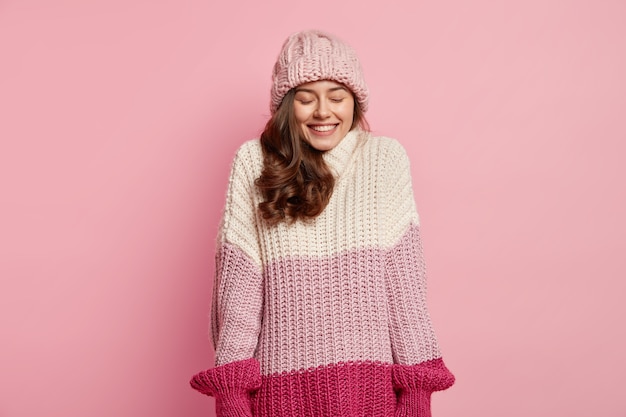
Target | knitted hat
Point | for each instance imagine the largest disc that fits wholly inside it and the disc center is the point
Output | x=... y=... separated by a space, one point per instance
x=312 y=56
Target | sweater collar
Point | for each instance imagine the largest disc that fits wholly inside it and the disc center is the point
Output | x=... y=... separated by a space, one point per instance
x=339 y=157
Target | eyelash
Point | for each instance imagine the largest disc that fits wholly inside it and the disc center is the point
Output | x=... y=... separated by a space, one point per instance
x=334 y=100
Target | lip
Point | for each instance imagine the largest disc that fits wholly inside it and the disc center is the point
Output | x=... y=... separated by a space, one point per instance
x=323 y=133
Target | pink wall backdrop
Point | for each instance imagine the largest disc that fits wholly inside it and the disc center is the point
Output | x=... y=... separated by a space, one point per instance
x=118 y=121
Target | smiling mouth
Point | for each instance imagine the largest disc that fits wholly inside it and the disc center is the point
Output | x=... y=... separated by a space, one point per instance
x=323 y=128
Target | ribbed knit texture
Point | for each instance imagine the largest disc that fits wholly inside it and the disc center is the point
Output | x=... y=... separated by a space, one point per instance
x=231 y=386
x=334 y=310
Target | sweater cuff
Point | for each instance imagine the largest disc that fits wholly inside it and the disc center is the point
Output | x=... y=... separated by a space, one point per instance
x=233 y=404
x=415 y=384
x=231 y=385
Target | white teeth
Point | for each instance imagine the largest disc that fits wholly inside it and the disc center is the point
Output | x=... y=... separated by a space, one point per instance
x=324 y=128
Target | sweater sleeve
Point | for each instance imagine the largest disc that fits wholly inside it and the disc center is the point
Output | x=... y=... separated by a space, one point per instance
x=418 y=368
x=237 y=301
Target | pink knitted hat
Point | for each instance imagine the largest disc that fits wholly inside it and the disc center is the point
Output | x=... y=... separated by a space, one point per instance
x=312 y=56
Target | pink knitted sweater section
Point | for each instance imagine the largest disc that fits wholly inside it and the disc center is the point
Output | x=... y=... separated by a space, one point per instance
x=328 y=317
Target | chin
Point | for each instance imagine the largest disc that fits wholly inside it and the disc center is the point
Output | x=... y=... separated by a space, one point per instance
x=323 y=145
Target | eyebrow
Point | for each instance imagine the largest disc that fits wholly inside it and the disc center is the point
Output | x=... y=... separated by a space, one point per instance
x=330 y=90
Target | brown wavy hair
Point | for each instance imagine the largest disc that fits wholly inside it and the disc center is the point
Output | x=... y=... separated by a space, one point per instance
x=296 y=183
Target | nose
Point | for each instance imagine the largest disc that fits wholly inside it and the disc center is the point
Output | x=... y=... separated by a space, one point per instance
x=322 y=111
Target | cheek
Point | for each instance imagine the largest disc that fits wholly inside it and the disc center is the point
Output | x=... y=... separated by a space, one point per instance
x=347 y=113
x=347 y=109
x=301 y=114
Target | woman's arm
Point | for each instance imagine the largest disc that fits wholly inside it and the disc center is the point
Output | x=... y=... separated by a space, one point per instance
x=237 y=302
x=418 y=367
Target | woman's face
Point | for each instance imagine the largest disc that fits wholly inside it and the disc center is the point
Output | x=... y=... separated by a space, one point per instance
x=324 y=110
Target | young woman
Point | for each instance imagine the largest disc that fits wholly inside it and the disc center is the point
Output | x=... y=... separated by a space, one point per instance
x=319 y=304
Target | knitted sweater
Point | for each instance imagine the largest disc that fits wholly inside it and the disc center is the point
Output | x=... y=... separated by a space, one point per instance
x=327 y=317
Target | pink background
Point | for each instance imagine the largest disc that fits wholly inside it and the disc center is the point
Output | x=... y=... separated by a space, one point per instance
x=118 y=121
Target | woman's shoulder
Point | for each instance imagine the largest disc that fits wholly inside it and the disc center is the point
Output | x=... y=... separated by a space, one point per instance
x=385 y=147
x=250 y=153
x=250 y=149
x=248 y=161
